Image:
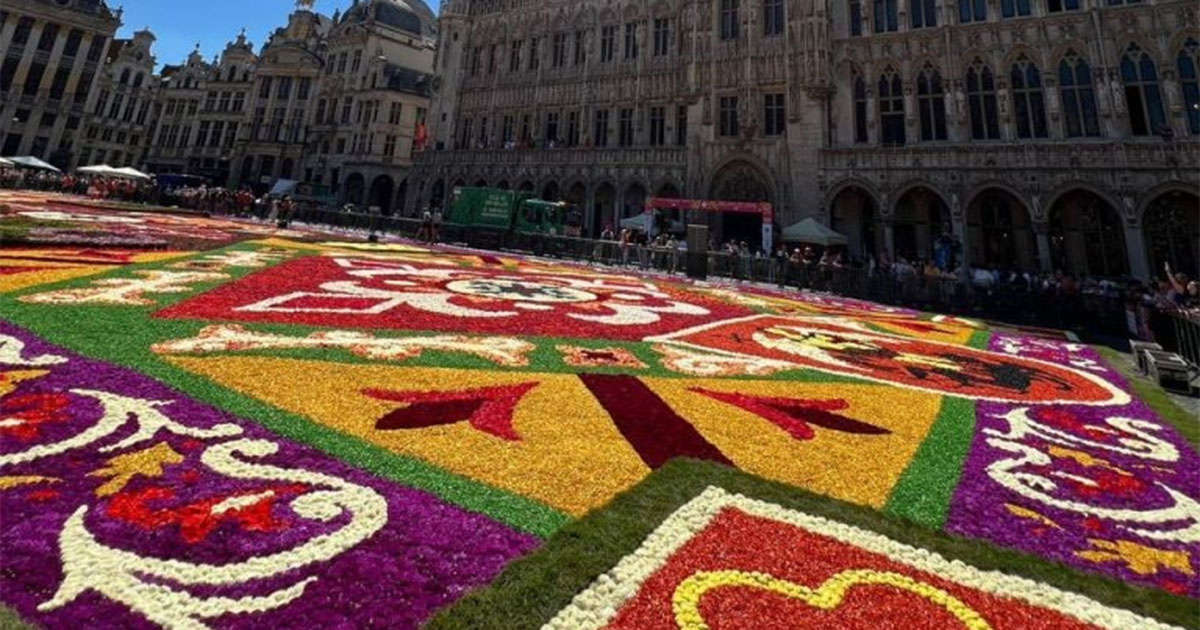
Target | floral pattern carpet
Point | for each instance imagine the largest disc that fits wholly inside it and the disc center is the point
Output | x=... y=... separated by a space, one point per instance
x=284 y=429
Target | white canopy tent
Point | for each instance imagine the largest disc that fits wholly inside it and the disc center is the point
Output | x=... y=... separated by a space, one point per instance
x=95 y=169
x=104 y=170
x=130 y=173
x=812 y=232
x=28 y=161
x=638 y=223
x=5 y=162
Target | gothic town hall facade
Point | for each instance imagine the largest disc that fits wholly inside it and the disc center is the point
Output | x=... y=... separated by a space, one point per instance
x=1043 y=134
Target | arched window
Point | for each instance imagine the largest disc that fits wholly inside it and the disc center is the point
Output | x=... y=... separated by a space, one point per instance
x=137 y=81
x=1078 y=96
x=887 y=18
x=860 y=109
x=124 y=76
x=924 y=13
x=1142 y=96
x=931 y=102
x=891 y=109
x=981 y=97
x=1029 y=106
x=972 y=11
x=1188 y=62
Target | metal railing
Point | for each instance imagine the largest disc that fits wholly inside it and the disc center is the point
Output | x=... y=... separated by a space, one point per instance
x=1179 y=332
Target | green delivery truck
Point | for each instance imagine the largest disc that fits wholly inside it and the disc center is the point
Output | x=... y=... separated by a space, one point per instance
x=508 y=210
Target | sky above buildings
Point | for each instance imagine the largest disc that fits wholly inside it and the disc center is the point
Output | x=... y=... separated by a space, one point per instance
x=180 y=24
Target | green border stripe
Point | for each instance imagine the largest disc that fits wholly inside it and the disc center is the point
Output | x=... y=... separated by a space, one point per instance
x=924 y=491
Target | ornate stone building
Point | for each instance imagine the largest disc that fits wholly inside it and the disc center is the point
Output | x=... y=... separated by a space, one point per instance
x=181 y=93
x=121 y=117
x=284 y=90
x=1042 y=133
x=374 y=91
x=223 y=116
x=52 y=56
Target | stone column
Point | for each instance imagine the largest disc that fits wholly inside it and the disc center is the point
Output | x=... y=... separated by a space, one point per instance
x=889 y=237
x=958 y=224
x=1041 y=230
x=1135 y=249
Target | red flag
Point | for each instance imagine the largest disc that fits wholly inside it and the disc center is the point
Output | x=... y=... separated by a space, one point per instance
x=419 y=137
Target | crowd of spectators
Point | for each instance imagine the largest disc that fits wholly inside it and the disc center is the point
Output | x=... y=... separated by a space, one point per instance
x=95 y=187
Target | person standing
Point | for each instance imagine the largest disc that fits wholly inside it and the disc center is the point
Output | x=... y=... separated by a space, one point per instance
x=437 y=225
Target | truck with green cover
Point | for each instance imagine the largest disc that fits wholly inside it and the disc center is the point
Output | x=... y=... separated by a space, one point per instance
x=509 y=210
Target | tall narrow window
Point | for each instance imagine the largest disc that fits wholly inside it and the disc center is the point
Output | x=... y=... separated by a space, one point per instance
x=773 y=17
x=600 y=135
x=856 y=18
x=20 y=36
x=506 y=131
x=891 y=109
x=662 y=37
x=728 y=116
x=924 y=13
x=535 y=53
x=608 y=36
x=558 y=50
x=681 y=116
x=1188 y=62
x=631 y=43
x=572 y=129
x=972 y=11
x=465 y=141
x=74 y=39
x=514 y=55
x=625 y=127
x=887 y=19
x=931 y=101
x=1029 y=107
x=729 y=19
x=1078 y=96
x=552 y=127
x=580 y=48
x=860 y=110
x=33 y=79
x=981 y=99
x=658 y=126
x=49 y=34
x=1142 y=96
x=1015 y=8
x=774 y=118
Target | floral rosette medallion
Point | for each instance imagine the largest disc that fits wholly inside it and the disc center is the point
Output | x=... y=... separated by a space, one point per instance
x=365 y=292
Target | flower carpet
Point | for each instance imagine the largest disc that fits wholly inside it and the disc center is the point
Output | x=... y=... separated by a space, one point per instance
x=277 y=428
